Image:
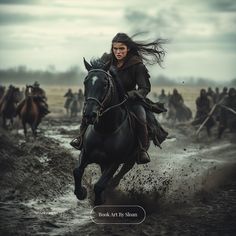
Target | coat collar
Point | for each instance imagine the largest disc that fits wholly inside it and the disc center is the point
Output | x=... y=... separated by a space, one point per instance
x=130 y=61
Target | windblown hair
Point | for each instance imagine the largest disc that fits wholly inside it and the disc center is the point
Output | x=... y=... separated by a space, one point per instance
x=149 y=52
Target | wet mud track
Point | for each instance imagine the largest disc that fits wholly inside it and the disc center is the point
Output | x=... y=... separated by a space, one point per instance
x=189 y=188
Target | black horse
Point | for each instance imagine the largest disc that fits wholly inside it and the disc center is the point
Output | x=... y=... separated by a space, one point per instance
x=8 y=105
x=110 y=139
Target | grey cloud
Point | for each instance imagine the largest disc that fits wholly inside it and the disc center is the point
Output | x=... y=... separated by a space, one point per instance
x=173 y=25
x=7 y=19
x=222 y=5
x=19 y=2
x=164 y=21
x=19 y=18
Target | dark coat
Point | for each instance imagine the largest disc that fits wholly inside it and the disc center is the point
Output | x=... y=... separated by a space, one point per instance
x=133 y=74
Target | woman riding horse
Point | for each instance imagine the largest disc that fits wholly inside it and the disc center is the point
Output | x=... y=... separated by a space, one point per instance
x=126 y=58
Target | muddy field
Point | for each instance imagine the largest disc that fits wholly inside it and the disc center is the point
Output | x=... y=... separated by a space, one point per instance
x=189 y=188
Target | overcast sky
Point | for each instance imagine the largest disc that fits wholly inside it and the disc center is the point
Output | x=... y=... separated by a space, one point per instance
x=202 y=33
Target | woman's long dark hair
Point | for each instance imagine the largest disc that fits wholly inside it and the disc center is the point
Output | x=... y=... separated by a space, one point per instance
x=151 y=52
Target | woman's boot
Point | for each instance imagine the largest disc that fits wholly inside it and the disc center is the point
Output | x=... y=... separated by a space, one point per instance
x=143 y=138
x=77 y=142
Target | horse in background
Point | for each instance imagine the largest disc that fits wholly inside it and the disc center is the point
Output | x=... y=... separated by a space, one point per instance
x=73 y=106
x=29 y=112
x=8 y=105
x=2 y=91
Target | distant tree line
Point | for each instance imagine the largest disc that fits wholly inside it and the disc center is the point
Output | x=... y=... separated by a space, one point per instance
x=74 y=76
x=23 y=75
x=162 y=80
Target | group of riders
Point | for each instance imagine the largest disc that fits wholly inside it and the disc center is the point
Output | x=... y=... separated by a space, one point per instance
x=74 y=102
x=177 y=110
x=212 y=108
x=12 y=100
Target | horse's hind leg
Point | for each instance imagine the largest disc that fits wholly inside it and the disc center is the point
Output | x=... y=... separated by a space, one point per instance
x=124 y=169
x=100 y=186
x=34 y=127
x=11 y=120
x=4 y=122
x=25 y=129
x=33 y=130
x=78 y=172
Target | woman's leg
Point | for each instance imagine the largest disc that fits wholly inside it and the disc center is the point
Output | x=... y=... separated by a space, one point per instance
x=142 y=133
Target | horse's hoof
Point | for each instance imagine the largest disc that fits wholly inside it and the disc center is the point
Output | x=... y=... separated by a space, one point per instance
x=81 y=193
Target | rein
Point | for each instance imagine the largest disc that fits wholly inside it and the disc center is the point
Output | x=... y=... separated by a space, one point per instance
x=114 y=106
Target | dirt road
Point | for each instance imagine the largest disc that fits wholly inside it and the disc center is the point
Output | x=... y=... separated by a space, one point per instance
x=189 y=188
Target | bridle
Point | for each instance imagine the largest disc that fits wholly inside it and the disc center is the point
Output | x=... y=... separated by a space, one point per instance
x=108 y=95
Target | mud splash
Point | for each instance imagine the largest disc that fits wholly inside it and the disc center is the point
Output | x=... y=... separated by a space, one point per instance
x=186 y=182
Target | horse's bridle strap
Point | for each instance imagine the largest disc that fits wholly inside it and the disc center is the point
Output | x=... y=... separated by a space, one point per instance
x=101 y=70
x=101 y=104
x=96 y=100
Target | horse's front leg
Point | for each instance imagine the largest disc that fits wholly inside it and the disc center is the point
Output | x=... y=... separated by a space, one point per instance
x=80 y=191
x=34 y=127
x=25 y=129
x=11 y=120
x=102 y=183
x=4 y=122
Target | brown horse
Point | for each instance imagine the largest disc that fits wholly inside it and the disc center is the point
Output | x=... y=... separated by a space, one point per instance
x=8 y=105
x=29 y=112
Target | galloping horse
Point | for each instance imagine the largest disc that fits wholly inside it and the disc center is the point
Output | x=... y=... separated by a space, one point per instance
x=29 y=112
x=110 y=139
x=8 y=105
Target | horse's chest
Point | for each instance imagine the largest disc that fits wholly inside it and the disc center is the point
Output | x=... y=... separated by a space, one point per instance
x=118 y=143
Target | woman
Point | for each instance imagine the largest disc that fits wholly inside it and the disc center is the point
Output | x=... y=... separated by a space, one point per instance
x=127 y=57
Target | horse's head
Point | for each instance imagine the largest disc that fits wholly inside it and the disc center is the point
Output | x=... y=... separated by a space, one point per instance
x=28 y=91
x=97 y=90
x=13 y=94
x=16 y=95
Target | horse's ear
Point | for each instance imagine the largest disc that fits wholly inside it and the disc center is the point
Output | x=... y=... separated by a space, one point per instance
x=107 y=66
x=87 y=65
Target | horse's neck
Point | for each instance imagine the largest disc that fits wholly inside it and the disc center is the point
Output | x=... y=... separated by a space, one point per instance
x=110 y=120
x=29 y=102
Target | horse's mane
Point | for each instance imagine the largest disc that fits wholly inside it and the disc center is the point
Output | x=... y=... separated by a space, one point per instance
x=97 y=63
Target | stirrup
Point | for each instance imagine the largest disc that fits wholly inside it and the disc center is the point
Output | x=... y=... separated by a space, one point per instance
x=77 y=143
